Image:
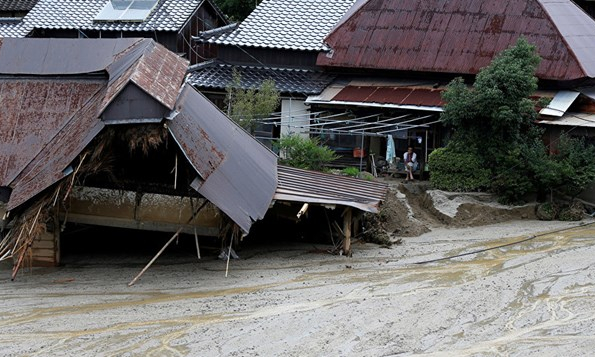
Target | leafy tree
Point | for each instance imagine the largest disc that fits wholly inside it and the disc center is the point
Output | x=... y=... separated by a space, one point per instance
x=495 y=140
x=237 y=10
x=245 y=106
x=305 y=153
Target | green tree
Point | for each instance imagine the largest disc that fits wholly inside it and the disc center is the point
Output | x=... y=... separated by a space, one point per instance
x=304 y=153
x=495 y=144
x=246 y=106
x=237 y=10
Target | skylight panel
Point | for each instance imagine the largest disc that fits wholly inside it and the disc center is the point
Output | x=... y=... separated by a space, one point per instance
x=126 y=10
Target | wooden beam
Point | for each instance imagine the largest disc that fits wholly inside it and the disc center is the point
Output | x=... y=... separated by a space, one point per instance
x=141 y=225
x=347 y=221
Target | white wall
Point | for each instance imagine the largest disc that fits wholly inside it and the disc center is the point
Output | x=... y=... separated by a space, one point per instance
x=294 y=113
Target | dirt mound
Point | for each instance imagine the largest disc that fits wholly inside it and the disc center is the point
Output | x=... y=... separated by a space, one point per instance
x=413 y=209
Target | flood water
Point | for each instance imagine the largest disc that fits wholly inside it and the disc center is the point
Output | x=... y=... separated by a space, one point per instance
x=291 y=299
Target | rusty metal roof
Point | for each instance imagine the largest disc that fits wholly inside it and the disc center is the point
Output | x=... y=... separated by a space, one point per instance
x=33 y=114
x=237 y=173
x=419 y=96
x=306 y=186
x=49 y=117
x=463 y=36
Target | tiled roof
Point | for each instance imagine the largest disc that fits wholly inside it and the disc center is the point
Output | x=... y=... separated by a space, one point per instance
x=168 y=15
x=17 y=5
x=288 y=24
x=218 y=75
x=463 y=36
x=14 y=29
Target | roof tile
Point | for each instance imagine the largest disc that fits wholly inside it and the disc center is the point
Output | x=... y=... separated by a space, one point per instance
x=288 y=24
x=218 y=75
x=168 y=15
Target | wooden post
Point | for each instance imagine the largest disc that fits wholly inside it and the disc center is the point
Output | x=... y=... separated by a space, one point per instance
x=347 y=231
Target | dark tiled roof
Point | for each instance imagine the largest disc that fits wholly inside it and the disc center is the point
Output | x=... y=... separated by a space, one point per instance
x=218 y=75
x=288 y=24
x=17 y=5
x=463 y=36
x=168 y=15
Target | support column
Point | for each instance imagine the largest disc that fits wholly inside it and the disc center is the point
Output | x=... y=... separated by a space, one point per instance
x=347 y=215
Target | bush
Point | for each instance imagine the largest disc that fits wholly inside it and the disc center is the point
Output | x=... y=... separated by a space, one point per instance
x=574 y=212
x=457 y=171
x=547 y=211
x=350 y=171
x=304 y=153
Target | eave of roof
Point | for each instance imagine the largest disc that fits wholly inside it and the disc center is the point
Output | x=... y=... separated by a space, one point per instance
x=287 y=80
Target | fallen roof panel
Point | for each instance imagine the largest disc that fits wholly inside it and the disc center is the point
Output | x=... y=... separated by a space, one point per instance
x=237 y=173
x=306 y=186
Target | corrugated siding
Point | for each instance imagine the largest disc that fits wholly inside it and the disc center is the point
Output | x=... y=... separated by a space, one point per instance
x=306 y=186
x=463 y=36
x=238 y=174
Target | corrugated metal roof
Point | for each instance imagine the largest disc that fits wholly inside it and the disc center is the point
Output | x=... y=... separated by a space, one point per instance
x=419 y=96
x=237 y=173
x=287 y=80
x=33 y=113
x=49 y=120
x=560 y=103
x=168 y=15
x=299 y=185
x=287 y=24
x=463 y=36
x=17 y=5
x=572 y=119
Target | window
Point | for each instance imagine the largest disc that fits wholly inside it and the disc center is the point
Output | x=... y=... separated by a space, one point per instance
x=126 y=10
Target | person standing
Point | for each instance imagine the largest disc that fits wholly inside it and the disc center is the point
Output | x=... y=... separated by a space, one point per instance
x=410 y=159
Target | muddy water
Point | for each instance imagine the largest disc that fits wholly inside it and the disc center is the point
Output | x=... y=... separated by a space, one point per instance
x=534 y=297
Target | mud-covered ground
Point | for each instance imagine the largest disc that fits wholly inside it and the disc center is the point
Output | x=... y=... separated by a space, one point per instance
x=535 y=298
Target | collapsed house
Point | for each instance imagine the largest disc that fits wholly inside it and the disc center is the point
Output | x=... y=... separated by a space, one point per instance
x=98 y=131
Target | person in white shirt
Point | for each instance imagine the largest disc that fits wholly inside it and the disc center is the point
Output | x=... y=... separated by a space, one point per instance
x=410 y=159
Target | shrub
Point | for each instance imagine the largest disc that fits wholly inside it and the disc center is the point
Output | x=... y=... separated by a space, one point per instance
x=457 y=171
x=350 y=171
x=304 y=153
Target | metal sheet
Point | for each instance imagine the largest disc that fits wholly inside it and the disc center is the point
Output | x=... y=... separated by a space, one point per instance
x=560 y=103
x=48 y=166
x=463 y=36
x=42 y=56
x=306 y=186
x=238 y=174
x=402 y=95
x=573 y=120
x=33 y=113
